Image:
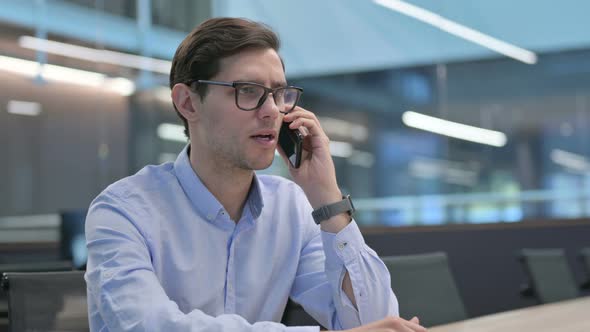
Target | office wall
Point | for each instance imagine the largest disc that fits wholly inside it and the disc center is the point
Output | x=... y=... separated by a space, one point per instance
x=66 y=155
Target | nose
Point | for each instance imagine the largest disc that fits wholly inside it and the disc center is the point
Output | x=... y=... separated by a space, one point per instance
x=269 y=109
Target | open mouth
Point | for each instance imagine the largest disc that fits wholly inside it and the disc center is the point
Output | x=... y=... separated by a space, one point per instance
x=268 y=137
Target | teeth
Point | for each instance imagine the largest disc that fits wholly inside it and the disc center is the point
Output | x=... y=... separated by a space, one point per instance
x=264 y=137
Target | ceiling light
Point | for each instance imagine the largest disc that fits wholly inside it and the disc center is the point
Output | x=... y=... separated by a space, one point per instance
x=343 y=128
x=570 y=160
x=23 y=108
x=56 y=73
x=460 y=30
x=454 y=129
x=96 y=55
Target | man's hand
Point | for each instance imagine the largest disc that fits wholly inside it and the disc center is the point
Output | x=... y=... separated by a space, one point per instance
x=392 y=324
x=316 y=175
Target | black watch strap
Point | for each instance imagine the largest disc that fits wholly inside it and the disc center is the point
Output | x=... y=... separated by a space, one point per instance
x=328 y=211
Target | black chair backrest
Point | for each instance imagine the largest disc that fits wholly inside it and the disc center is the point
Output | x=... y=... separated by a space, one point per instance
x=46 y=301
x=47 y=266
x=549 y=274
x=425 y=287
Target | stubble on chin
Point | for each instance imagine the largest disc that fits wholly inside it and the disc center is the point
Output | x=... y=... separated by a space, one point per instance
x=255 y=165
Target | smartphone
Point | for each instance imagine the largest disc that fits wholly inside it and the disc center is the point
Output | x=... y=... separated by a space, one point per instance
x=291 y=141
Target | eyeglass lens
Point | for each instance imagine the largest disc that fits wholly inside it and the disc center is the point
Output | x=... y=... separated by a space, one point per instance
x=253 y=96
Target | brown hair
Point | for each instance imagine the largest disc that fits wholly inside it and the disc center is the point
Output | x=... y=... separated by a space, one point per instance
x=199 y=54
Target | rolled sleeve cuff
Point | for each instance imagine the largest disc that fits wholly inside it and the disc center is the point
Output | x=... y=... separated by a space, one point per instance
x=343 y=247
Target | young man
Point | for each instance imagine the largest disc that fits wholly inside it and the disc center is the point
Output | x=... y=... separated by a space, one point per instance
x=204 y=244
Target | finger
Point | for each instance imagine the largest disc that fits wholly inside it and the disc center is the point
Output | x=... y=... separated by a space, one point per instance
x=299 y=112
x=309 y=124
x=415 y=320
x=397 y=324
x=414 y=326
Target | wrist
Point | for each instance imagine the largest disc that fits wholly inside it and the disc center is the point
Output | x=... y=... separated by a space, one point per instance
x=318 y=198
x=335 y=216
x=336 y=223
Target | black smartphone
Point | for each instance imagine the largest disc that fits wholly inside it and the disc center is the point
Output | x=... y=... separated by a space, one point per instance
x=291 y=141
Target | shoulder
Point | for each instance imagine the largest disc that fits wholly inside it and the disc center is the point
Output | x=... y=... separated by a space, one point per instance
x=135 y=193
x=131 y=200
x=142 y=183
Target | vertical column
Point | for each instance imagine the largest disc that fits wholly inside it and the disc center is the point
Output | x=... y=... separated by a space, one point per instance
x=41 y=33
x=144 y=24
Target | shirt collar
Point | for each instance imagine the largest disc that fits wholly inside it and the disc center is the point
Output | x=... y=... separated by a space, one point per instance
x=255 y=199
x=203 y=200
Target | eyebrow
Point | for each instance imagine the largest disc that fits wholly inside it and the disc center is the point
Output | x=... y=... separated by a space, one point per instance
x=275 y=84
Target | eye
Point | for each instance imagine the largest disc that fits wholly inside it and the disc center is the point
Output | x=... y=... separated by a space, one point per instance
x=249 y=90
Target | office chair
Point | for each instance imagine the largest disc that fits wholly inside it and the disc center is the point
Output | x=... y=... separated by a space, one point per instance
x=46 y=301
x=425 y=287
x=550 y=277
x=27 y=267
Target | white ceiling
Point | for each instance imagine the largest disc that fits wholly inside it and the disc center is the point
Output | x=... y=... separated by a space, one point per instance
x=336 y=36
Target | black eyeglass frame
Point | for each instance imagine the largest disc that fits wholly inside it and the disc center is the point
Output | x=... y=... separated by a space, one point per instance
x=262 y=99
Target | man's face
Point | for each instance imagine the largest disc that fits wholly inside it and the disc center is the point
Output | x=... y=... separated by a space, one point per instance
x=229 y=136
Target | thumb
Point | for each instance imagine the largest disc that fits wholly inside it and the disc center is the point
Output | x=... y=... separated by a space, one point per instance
x=415 y=320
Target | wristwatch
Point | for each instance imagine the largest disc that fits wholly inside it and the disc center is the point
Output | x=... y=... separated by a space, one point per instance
x=328 y=211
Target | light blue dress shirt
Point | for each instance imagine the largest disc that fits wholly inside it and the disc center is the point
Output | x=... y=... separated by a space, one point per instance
x=163 y=255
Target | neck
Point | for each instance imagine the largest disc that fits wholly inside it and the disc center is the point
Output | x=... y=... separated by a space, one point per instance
x=230 y=185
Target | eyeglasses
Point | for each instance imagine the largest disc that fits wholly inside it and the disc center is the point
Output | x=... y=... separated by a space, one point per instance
x=250 y=96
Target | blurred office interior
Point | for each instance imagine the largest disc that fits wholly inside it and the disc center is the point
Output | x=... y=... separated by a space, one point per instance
x=366 y=69
x=439 y=112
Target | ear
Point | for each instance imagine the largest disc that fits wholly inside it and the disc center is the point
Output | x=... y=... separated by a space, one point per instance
x=183 y=100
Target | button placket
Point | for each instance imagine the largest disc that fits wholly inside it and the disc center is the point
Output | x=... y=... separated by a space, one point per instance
x=230 y=282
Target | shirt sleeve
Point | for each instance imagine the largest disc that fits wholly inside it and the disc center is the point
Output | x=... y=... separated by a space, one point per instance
x=371 y=284
x=323 y=263
x=124 y=293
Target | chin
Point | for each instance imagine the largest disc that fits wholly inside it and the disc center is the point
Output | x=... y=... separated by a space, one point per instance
x=260 y=166
x=261 y=163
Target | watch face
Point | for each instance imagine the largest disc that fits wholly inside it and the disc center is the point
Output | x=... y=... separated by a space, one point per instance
x=352 y=209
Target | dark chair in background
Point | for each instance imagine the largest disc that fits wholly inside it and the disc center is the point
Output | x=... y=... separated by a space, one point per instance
x=46 y=301
x=548 y=272
x=295 y=315
x=26 y=267
x=425 y=287
x=72 y=255
x=585 y=258
x=73 y=241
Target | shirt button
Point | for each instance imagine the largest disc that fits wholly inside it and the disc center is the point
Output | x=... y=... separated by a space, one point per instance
x=342 y=245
